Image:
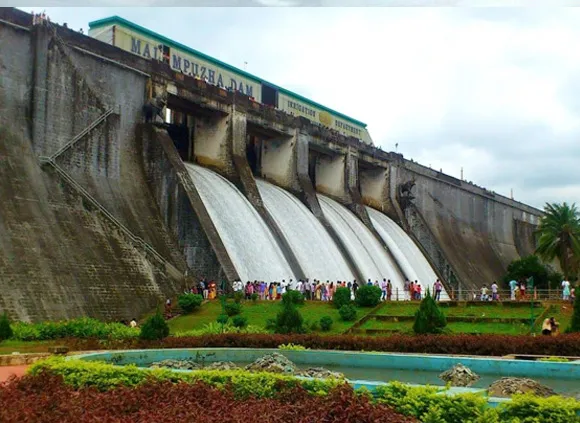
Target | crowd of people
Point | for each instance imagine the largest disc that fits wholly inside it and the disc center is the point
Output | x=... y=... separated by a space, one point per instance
x=314 y=290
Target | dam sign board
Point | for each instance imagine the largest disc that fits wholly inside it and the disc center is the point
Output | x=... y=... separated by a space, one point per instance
x=186 y=63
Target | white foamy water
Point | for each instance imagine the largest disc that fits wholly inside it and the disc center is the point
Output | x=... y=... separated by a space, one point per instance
x=369 y=255
x=246 y=237
x=408 y=255
x=315 y=250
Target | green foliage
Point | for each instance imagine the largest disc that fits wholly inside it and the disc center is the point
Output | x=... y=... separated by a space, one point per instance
x=292 y=347
x=83 y=327
x=368 y=296
x=254 y=297
x=222 y=319
x=215 y=328
x=154 y=328
x=559 y=238
x=341 y=297
x=240 y=321
x=325 y=323
x=528 y=408
x=294 y=296
x=429 y=318
x=554 y=359
x=289 y=319
x=347 y=312
x=5 y=328
x=575 y=322
x=189 y=302
x=233 y=309
x=103 y=376
x=238 y=297
x=528 y=266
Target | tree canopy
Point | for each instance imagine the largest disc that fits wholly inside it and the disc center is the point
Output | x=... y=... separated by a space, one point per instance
x=559 y=236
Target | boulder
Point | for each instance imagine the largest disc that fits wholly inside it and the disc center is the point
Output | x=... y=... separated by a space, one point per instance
x=319 y=372
x=177 y=364
x=459 y=375
x=221 y=365
x=508 y=386
x=274 y=363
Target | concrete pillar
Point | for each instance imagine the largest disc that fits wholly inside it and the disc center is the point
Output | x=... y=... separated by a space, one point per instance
x=211 y=143
x=279 y=157
x=308 y=196
x=374 y=187
x=331 y=176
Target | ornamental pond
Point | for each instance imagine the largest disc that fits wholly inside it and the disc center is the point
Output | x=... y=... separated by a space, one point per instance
x=370 y=369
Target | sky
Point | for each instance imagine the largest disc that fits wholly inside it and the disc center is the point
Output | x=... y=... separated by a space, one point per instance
x=491 y=91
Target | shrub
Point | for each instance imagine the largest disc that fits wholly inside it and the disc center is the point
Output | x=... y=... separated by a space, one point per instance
x=254 y=297
x=238 y=297
x=214 y=328
x=222 y=319
x=240 y=322
x=289 y=319
x=291 y=347
x=154 y=328
x=78 y=328
x=575 y=323
x=189 y=302
x=429 y=318
x=325 y=323
x=368 y=296
x=527 y=408
x=5 y=329
x=347 y=312
x=341 y=297
x=295 y=296
x=233 y=309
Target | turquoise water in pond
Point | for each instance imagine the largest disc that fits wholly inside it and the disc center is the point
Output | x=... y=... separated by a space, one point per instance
x=362 y=367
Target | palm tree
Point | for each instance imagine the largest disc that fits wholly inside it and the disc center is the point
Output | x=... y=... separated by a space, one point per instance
x=559 y=232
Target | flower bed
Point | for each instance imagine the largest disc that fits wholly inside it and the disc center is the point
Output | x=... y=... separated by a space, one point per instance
x=487 y=345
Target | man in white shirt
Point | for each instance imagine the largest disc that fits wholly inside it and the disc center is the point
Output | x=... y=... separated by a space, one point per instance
x=494 y=291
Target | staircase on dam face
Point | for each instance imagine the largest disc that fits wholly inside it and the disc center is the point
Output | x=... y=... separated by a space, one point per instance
x=427 y=242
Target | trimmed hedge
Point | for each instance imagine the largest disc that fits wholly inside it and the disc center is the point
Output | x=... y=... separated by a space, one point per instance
x=487 y=345
x=424 y=403
x=83 y=327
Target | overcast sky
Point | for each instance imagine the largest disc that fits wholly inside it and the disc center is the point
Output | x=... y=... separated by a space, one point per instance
x=489 y=90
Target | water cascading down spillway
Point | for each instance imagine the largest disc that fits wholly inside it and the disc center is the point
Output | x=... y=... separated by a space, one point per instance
x=248 y=241
x=366 y=251
x=409 y=257
x=318 y=255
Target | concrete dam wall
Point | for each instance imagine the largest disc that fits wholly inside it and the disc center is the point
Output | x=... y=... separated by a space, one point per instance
x=103 y=214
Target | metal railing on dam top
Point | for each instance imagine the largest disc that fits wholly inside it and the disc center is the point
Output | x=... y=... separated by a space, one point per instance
x=503 y=295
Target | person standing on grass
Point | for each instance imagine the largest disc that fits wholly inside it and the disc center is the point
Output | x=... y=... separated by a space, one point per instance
x=484 y=293
x=494 y=291
x=389 y=290
x=513 y=285
x=411 y=291
x=406 y=290
x=523 y=290
x=565 y=290
x=383 y=290
x=437 y=288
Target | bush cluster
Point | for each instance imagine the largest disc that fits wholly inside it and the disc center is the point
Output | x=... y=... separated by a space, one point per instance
x=5 y=328
x=347 y=312
x=341 y=297
x=368 y=296
x=325 y=323
x=289 y=319
x=83 y=327
x=162 y=401
x=429 y=318
x=485 y=345
x=233 y=309
x=154 y=328
x=189 y=302
x=425 y=404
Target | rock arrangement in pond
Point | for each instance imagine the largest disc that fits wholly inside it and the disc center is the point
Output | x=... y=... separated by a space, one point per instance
x=320 y=373
x=508 y=386
x=459 y=375
x=177 y=364
x=221 y=365
x=272 y=363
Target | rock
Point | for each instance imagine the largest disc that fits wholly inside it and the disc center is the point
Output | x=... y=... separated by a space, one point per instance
x=275 y=363
x=508 y=386
x=459 y=375
x=319 y=372
x=221 y=365
x=177 y=364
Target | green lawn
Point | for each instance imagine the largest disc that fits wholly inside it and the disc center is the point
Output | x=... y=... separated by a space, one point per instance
x=10 y=346
x=501 y=311
x=259 y=312
x=454 y=327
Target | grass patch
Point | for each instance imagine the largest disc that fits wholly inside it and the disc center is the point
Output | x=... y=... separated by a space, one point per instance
x=499 y=311
x=259 y=312
x=10 y=346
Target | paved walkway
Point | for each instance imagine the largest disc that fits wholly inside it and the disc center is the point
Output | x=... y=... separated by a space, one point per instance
x=7 y=371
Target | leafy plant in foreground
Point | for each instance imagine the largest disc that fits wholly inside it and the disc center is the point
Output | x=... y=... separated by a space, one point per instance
x=154 y=328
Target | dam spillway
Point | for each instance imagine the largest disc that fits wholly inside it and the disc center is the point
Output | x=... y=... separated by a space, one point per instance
x=409 y=257
x=318 y=255
x=247 y=239
x=365 y=250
